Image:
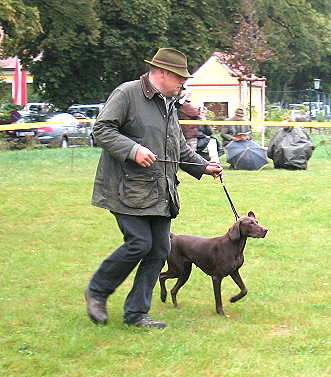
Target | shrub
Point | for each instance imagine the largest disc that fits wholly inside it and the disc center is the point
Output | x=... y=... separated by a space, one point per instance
x=274 y=114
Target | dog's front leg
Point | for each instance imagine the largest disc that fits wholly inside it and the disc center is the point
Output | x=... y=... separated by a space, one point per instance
x=217 y=280
x=243 y=290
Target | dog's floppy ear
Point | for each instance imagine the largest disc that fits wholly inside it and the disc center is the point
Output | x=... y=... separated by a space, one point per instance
x=251 y=214
x=234 y=231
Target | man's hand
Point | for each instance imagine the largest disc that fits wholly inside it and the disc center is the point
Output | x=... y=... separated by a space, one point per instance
x=214 y=169
x=144 y=157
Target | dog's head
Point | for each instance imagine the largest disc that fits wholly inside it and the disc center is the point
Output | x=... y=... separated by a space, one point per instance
x=247 y=226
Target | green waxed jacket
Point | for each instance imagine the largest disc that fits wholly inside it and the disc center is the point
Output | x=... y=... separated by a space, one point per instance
x=135 y=114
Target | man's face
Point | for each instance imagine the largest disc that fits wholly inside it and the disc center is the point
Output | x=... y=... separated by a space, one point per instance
x=172 y=83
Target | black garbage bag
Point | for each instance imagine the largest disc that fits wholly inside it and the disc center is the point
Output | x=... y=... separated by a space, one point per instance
x=290 y=148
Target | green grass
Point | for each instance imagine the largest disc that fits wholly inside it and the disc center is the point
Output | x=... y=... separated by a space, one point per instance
x=52 y=240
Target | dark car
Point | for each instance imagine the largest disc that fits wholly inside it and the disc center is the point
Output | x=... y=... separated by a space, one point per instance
x=60 y=129
x=86 y=113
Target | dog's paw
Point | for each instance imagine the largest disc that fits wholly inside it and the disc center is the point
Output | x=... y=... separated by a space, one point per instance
x=238 y=296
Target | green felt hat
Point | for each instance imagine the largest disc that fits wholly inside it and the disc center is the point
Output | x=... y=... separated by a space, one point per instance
x=172 y=60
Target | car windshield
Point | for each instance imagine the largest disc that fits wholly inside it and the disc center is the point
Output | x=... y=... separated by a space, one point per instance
x=66 y=118
x=89 y=111
x=32 y=118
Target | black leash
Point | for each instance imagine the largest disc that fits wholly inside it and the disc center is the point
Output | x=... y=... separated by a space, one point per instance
x=179 y=162
x=222 y=184
x=230 y=201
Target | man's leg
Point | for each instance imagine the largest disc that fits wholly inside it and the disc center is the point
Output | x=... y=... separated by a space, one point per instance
x=115 y=269
x=138 y=302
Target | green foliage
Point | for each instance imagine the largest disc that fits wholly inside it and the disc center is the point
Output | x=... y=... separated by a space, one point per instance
x=68 y=64
x=274 y=114
x=78 y=51
x=20 y=22
x=131 y=32
x=192 y=26
x=28 y=143
x=5 y=109
x=300 y=37
x=320 y=117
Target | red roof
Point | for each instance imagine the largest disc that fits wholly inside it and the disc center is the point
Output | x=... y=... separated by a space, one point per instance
x=238 y=71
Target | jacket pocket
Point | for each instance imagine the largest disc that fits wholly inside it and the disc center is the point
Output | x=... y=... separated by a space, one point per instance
x=138 y=192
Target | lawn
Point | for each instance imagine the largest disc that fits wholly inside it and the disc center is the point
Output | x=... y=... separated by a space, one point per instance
x=52 y=240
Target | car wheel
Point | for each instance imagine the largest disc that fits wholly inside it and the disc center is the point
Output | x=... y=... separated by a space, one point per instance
x=64 y=143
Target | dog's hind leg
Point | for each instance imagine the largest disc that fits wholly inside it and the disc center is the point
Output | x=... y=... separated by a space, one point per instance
x=182 y=279
x=175 y=270
x=217 y=280
x=162 y=279
x=243 y=290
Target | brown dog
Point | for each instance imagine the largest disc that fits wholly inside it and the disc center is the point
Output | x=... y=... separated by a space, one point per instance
x=218 y=257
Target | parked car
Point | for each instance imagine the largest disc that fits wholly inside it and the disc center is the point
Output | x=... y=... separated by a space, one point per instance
x=61 y=129
x=299 y=112
x=318 y=108
x=36 y=107
x=86 y=114
x=88 y=110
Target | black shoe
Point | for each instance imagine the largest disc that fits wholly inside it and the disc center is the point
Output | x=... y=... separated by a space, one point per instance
x=96 y=309
x=147 y=322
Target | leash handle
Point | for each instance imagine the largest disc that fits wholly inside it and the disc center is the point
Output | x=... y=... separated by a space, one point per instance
x=230 y=201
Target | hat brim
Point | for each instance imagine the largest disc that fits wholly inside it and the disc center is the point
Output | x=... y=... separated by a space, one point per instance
x=183 y=72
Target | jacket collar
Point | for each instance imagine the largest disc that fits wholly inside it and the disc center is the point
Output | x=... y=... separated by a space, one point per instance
x=150 y=91
x=147 y=87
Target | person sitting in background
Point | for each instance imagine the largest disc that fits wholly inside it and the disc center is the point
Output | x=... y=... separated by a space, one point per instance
x=188 y=112
x=198 y=137
x=208 y=146
x=290 y=148
x=15 y=116
x=237 y=132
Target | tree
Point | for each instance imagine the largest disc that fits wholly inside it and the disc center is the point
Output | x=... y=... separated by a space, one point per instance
x=131 y=32
x=83 y=61
x=191 y=28
x=87 y=47
x=84 y=57
x=249 y=47
x=19 y=22
x=61 y=57
x=300 y=37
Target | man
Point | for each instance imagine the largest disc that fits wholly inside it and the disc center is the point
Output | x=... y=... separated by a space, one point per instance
x=238 y=132
x=137 y=127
